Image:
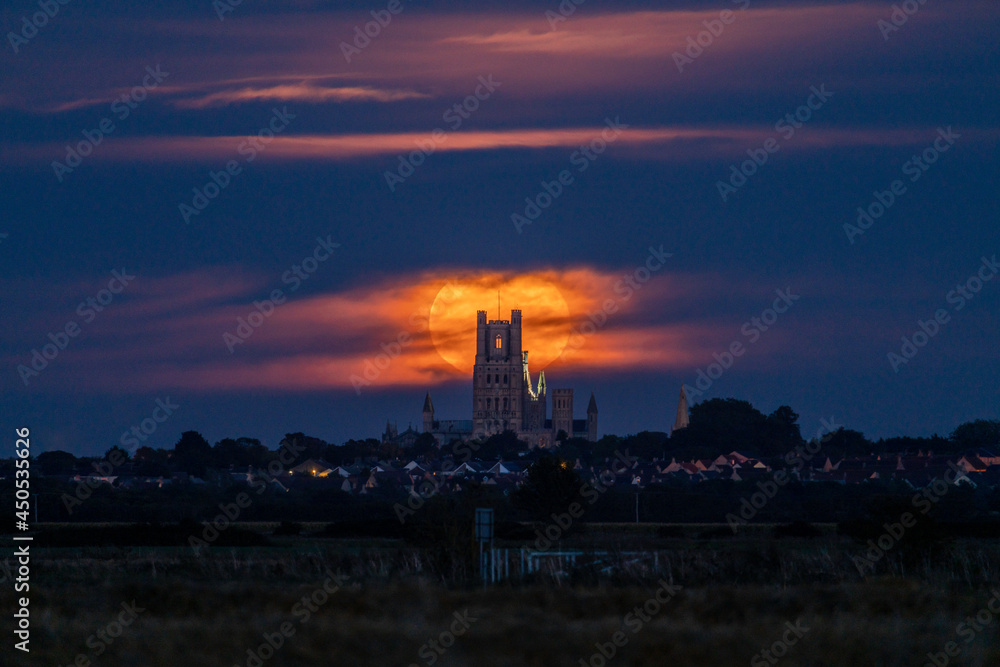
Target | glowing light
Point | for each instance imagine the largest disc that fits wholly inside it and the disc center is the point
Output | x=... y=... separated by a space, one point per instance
x=545 y=323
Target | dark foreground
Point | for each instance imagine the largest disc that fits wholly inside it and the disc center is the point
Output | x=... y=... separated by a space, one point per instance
x=327 y=602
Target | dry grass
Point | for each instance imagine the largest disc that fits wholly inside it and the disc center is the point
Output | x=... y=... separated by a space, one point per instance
x=210 y=610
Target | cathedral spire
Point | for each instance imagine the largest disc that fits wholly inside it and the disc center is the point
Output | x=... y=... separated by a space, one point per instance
x=682 y=412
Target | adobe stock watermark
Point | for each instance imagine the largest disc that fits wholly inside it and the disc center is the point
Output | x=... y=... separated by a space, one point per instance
x=967 y=630
x=363 y=35
x=696 y=44
x=796 y=459
x=229 y=513
x=923 y=501
x=786 y=127
x=419 y=322
x=915 y=168
x=634 y=621
x=223 y=7
x=780 y=647
x=436 y=647
x=106 y=635
x=590 y=492
x=625 y=288
x=455 y=115
x=264 y=308
x=581 y=159
x=121 y=108
x=88 y=311
x=31 y=25
x=461 y=453
x=302 y=610
x=958 y=297
x=752 y=329
x=565 y=9
x=141 y=432
x=248 y=150
x=900 y=14
x=115 y=458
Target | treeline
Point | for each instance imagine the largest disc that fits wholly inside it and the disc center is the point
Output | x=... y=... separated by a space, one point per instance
x=717 y=426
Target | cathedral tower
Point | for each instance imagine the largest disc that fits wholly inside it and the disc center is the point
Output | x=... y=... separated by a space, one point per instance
x=498 y=385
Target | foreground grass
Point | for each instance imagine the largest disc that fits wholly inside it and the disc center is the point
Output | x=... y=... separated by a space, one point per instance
x=213 y=609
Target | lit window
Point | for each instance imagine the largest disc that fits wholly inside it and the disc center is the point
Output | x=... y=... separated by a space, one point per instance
x=498 y=342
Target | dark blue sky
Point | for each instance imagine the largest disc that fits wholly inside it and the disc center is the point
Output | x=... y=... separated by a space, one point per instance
x=340 y=126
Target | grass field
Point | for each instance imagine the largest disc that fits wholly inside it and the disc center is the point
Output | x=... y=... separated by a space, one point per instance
x=388 y=604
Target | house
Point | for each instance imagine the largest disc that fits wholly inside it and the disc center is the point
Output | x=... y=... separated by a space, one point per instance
x=501 y=468
x=312 y=467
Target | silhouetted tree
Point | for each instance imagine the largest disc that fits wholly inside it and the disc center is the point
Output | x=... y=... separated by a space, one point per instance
x=846 y=443
x=192 y=453
x=550 y=486
x=785 y=434
x=56 y=462
x=151 y=462
x=645 y=444
x=975 y=434
x=501 y=446
x=720 y=425
x=307 y=446
x=117 y=453
x=425 y=446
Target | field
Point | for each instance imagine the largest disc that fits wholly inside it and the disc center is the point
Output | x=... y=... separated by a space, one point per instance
x=721 y=602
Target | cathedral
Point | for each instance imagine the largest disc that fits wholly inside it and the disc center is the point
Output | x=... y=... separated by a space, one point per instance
x=505 y=398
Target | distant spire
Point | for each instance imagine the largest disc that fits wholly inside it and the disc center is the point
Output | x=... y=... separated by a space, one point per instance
x=592 y=407
x=541 y=382
x=682 y=412
x=428 y=405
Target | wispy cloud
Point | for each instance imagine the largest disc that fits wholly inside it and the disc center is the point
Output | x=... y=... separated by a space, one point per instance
x=297 y=92
x=649 y=143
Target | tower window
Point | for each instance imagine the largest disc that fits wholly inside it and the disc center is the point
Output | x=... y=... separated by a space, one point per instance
x=498 y=343
x=505 y=378
x=488 y=376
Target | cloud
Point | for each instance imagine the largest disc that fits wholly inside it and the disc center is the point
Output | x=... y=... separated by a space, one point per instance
x=402 y=331
x=652 y=143
x=297 y=92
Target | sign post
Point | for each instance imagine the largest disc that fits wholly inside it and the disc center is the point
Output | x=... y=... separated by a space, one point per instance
x=484 y=533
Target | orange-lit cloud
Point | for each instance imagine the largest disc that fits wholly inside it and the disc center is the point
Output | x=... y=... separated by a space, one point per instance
x=405 y=331
x=651 y=143
x=445 y=52
x=297 y=92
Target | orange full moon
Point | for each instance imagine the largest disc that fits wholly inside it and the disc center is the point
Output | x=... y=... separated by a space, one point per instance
x=545 y=317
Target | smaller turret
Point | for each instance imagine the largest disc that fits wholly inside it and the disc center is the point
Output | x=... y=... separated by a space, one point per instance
x=682 y=412
x=428 y=414
x=592 y=419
